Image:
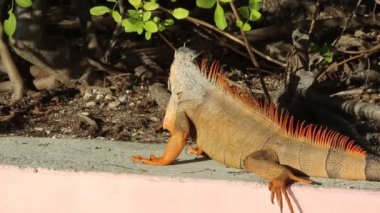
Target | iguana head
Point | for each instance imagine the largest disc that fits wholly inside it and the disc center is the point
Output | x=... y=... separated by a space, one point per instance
x=186 y=80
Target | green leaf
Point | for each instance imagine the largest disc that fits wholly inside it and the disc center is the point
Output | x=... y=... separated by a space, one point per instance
x=134 y=14
x=150 y=6
x=132 y=25
x=246 y=27
x=255 y=4
x=225 y=1
x=10 y=24
x=148 y=35
x=254 y=15
x=114 y=1
x=244 y=11
x=135 y=3
x=161 y=27
x=239 y=23
x=116 y=16
x=150 y=26
x=219 y=18
x=147 y=15
x=206 y=4
x=99 y=10
x=247 y=13
x=180 y=13
x=24 y=3
x=168 y=22
x=323 y=50
x=328 y=56
x=156 y=19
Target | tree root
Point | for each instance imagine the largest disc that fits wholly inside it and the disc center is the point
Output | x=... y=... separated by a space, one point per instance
x=6 y=86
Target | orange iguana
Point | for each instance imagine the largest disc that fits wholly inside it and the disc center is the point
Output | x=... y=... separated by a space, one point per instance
x=238 y=131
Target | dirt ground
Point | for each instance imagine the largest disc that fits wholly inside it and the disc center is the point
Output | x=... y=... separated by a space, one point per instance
x=94 y=113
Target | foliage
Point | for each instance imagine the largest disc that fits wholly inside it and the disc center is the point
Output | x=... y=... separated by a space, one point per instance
x=249 y=13
x=11 y=22
x=139 y=17
x=324 y=51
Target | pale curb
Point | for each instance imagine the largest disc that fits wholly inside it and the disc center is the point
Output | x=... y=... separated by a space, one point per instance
x=96 y=176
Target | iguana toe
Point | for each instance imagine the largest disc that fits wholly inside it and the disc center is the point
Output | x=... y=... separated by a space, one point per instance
x=152 y=160
x=140 y=159
x=279 y=189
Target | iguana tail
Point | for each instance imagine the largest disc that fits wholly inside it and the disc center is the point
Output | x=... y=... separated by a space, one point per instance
x=318 y=151
x=372 y=168
x=345 y=166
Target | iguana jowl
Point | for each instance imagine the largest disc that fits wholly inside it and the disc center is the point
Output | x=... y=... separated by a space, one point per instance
x=238 y=131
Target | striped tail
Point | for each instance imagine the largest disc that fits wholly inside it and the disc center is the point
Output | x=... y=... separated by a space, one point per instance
x=345 y=166
x=372 y=168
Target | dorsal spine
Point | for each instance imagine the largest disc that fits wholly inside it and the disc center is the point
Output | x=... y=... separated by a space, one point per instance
x=281 y=119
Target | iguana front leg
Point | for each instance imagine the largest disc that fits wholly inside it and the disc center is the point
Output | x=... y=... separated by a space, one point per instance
x=179 y=128
x=265 y=164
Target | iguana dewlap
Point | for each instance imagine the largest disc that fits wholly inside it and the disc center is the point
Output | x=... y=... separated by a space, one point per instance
x=238 y=131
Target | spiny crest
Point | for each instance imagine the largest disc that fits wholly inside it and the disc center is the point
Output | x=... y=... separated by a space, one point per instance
x=311 y=133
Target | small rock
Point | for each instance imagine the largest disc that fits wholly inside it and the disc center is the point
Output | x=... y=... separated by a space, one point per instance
x=114 y=104
x=91 y=104
x=359 y=33
x=144 y=74
x=85 y=113
x=131 y=104
x=66 y=130
x=109 y=97
x=122 y=98
x=88 y=95
x=99 y=97
x=154 y=119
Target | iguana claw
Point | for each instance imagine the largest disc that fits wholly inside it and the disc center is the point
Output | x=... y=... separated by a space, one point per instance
x=138 y=158
x=279 y=188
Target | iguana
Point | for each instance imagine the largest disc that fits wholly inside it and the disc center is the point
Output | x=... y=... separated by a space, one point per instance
x=242 y=132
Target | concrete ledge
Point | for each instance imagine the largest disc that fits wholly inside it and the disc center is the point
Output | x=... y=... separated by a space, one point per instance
x=96 y=176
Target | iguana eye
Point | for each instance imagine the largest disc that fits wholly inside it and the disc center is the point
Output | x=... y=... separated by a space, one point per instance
x=179 y=94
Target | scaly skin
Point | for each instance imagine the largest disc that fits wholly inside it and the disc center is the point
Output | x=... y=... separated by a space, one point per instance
x=256 y=139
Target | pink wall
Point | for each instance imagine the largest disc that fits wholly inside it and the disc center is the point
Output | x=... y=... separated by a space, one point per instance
x=23 y=190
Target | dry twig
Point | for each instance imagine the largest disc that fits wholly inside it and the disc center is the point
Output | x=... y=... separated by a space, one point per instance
x=249 y=50
x=347 y=23
x=229 y=36
x=361 y=54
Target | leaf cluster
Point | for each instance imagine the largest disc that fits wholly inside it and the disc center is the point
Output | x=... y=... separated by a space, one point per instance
x=250 y=13
x=140 y=17
x=11 y=22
